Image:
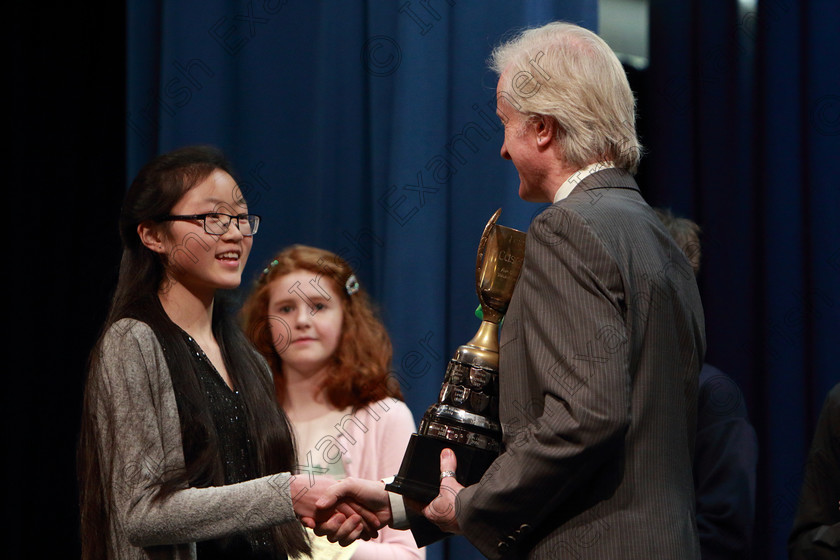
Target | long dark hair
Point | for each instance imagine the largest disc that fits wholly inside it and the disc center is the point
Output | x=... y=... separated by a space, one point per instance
x=155 y=190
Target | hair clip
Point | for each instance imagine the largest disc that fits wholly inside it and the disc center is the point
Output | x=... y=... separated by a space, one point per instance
x=352 y=285
x=271 y=265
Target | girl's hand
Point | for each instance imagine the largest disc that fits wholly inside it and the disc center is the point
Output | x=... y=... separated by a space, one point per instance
x=345 y=522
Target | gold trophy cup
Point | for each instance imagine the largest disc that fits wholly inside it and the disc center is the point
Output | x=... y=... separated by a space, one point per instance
x=466 y=416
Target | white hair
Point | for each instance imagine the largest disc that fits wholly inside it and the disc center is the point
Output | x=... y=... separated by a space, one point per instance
x=568 y=73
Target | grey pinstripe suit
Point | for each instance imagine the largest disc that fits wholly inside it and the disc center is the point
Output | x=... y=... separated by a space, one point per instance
x=600 y=354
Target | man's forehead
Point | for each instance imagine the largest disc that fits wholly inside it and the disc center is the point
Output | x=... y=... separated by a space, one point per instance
x=501 y=83
x=506 y=102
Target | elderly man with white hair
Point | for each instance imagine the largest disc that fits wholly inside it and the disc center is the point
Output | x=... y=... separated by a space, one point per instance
x=602 y=343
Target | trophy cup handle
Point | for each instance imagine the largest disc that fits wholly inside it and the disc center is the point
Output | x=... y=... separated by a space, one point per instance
x=482 y=247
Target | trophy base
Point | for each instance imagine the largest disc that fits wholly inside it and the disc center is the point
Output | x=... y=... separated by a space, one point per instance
x=419 y=476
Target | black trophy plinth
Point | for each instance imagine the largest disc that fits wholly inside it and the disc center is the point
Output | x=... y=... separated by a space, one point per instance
x=419 y=476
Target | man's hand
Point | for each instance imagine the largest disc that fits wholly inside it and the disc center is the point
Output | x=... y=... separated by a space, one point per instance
x=347 y=523
x=441 y=510
x=351 y=497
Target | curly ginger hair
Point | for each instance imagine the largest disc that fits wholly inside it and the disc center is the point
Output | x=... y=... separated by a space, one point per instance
x=361 y=372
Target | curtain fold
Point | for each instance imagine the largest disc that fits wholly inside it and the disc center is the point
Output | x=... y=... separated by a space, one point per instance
x=743 y=121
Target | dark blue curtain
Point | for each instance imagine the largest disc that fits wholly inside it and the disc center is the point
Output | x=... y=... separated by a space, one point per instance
x=367 y=128
x=741 y=117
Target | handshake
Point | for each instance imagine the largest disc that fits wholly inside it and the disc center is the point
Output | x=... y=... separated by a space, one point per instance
x=354 y=508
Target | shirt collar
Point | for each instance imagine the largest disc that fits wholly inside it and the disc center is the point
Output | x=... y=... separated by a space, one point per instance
x=581 y=174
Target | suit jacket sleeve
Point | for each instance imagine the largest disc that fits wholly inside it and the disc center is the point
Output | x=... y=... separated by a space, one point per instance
x=140 y=442
x=566 y=334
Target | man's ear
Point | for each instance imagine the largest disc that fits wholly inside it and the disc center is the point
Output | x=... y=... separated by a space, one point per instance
x=546 y=131
x=151 y=235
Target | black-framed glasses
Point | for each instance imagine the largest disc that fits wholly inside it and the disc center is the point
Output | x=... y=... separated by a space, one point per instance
x=217 y=223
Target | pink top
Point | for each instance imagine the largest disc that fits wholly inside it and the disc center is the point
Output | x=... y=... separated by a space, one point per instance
x=371 y=442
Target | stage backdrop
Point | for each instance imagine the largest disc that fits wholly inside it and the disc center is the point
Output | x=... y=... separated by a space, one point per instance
x=367 y=128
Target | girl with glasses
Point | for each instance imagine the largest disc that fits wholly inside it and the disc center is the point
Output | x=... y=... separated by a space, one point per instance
x=183 y=451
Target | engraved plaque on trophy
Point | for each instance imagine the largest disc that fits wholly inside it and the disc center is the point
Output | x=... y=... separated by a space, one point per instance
x=466 y=415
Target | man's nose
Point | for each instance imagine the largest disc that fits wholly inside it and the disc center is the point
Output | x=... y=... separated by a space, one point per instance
x=504 y=151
